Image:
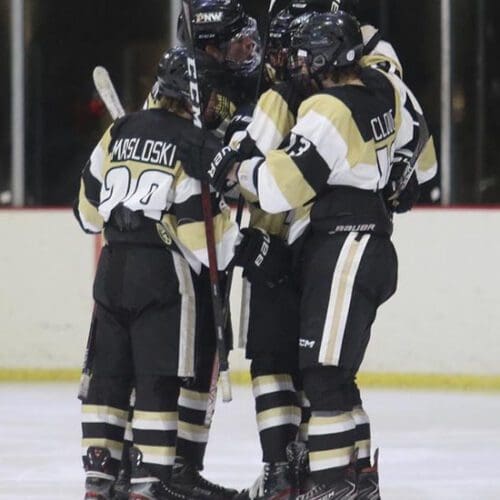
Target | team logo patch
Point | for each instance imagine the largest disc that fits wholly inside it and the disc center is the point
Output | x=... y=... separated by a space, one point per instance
x=208 y=17
x=163 y=234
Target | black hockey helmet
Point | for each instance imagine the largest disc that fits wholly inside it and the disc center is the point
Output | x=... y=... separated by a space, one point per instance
x=172 y=81
x=172 y=77
x=214 y=21
x=279 y=30
x=219 y=23
x=327 y=41
x=321 y=6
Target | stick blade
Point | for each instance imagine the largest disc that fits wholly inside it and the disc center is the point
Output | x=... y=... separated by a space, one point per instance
x=107 y=92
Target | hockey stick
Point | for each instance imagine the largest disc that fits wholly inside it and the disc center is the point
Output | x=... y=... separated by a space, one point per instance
x=412 y=161
x=83 y=389
x=208 y=217
x=241 y=200
x=107 y=92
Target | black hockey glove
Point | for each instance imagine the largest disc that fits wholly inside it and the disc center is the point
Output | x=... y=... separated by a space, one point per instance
x=410 y=194
x=265 y=259
x=196 y=151
x=202 y=158
x=220 y=167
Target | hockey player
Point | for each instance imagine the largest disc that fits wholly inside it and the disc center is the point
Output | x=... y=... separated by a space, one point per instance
x=192 y=431
x=380 y=54
x=223 y=31
x=336 y=161
x=135 y=191
x=274 y=117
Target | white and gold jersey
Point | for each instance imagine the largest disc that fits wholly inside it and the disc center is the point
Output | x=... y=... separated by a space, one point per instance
x=344 y=136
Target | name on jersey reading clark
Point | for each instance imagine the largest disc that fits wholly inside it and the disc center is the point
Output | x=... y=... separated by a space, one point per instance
x=146 y=151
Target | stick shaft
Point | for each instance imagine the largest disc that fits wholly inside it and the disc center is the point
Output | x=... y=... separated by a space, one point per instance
x=208 y=216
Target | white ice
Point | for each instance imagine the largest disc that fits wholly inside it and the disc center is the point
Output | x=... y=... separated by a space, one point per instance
x=433 y=445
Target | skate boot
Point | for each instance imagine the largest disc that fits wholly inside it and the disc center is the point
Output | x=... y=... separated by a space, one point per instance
x=342 y=489
x=187 y=479
x=121 y=488
x=143 y=486
x=99 y=480
x=368 y=488
x=298 y=462
x=275 y=483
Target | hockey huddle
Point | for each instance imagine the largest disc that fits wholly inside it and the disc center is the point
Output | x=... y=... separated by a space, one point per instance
x=314 y=128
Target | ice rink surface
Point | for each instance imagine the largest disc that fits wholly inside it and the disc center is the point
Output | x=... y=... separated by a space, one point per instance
x=433 y=445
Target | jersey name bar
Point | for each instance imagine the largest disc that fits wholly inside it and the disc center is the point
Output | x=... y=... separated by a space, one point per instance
x=383 y=126
x=136 y=149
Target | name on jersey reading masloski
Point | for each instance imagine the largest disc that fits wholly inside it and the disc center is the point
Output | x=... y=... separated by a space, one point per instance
x=146 y=151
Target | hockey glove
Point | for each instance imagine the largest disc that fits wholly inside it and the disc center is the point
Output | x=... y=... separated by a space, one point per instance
x=410 y=194
x=220 y=167
x=265 y=259
x=196 y=151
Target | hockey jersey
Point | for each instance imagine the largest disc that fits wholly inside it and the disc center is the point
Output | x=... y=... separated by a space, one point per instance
x=135 y=165
x=343 y=136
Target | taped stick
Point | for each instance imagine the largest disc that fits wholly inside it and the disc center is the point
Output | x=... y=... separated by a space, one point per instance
x=107 y=92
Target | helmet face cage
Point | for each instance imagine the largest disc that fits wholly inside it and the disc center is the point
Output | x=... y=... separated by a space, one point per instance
x=278 y=43
x=224 y=25
x=173 y=81
x=243 y=53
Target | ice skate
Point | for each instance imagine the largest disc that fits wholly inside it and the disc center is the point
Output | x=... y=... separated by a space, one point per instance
x=99 y=481
x=275 y=483
x=143 y=486
x=187 y=479
x=121 y=488
x=368 y=488
x=298 y=462
x=342 y=489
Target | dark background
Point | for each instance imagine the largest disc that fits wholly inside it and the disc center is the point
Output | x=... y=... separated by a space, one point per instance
x=66 y=40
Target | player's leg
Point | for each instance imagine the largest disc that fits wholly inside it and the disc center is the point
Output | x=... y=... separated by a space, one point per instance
x=272 y=346
x=162 y=307
x=104 y=411
x=193 y=429
x=345 y=278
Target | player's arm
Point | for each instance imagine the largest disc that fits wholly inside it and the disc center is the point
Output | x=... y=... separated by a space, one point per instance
x=190 y=228
x=378 y=53
x=291 y=176
x=414 y=156
x=86 y=206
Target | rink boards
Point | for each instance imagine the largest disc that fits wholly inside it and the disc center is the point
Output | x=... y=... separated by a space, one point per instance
x=440 y=329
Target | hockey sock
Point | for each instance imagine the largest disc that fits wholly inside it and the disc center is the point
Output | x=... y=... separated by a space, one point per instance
x=104 y=416
x=362 y=433
x=193 y=434
x=278 y=414
x=305 y=407
x=331 y=444
x=154 y=424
